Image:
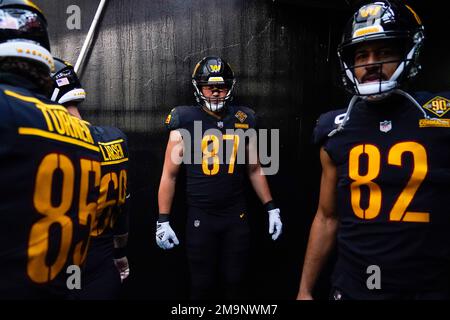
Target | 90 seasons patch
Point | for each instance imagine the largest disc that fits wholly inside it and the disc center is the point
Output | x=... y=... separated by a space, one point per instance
x=438 y=106
x=241 y=116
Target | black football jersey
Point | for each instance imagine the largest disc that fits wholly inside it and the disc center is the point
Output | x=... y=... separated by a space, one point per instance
x=213 y=153
x=50 y=178
x=393 y=167
x=112 y=215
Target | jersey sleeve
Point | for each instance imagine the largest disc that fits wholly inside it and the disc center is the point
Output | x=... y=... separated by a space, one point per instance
x=326 y=123
x=123 y=218
x=172 y=121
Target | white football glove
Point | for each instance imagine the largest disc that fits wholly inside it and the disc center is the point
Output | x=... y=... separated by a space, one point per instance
x=123 y=267
x=275 y=225
x=165 y=236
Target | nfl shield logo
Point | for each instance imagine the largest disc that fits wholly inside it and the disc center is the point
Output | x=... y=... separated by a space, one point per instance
x=385 y=126
x=220 y=124
x=197 y=223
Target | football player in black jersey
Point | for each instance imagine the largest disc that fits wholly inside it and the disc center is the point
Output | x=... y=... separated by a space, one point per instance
x=106 y=263
x=217 y=233
x=49 y=166
x=386 y=169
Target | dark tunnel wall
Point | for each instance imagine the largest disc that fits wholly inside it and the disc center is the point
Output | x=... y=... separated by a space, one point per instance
x=283 y=54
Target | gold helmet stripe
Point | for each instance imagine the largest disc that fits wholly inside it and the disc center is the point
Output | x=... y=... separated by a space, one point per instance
x=419 y=21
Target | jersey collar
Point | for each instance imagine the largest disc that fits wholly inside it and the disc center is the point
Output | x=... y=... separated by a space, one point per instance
x=18 y=81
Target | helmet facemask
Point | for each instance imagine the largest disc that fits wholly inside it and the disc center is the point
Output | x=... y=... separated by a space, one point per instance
x=214 y=104
x=407 y=67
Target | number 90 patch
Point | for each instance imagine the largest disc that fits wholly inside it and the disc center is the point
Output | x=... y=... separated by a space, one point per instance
x=438 y=106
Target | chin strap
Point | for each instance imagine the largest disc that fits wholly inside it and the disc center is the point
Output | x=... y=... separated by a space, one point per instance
x=410 y=98
x=340 y=127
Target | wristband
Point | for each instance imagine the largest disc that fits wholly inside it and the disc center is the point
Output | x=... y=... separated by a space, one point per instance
x=270 y=205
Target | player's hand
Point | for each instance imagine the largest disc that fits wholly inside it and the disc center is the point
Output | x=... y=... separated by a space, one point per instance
x=165 y=236
x=275 y=224
x=123 y=267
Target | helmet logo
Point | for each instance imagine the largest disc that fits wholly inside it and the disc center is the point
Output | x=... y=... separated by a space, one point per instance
x=372 y=11
x=215 y=67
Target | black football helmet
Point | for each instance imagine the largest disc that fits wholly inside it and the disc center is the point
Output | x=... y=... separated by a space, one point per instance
x=23 y=32
x=382 y=20
x=213 y=71
x=66 y=85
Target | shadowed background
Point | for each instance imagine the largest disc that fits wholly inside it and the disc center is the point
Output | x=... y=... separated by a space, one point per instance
x=283 y=53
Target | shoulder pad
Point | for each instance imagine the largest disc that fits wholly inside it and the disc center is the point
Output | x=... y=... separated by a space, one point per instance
x=4 y=87
x=245 y=114
x=179 y=116
x=247 y=110
x=326 y=123
x=107 y=134
x=24 y=92
x=111 y=136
